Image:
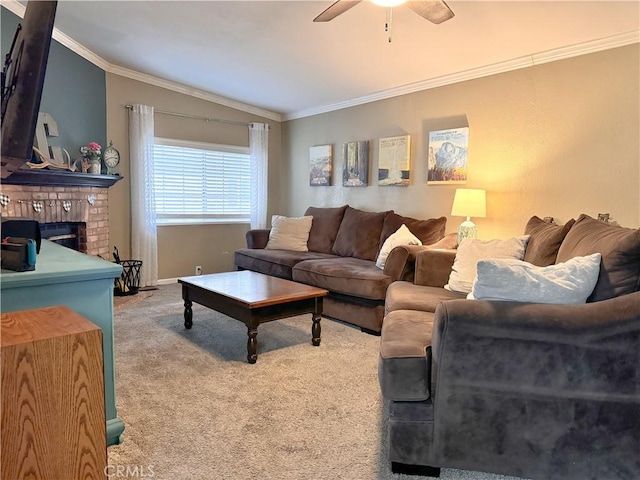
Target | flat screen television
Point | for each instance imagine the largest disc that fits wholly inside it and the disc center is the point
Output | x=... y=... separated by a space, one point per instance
x=22 y=82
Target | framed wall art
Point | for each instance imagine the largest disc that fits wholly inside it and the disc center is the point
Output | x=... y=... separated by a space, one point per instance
x=320 y=160
x=356 y=164
x=447 y=156
x=394 y=161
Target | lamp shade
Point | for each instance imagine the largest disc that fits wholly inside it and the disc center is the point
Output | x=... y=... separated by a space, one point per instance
x=469 y=202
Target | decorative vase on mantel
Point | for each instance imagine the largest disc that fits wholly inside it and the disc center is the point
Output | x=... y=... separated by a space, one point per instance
x=95 y=164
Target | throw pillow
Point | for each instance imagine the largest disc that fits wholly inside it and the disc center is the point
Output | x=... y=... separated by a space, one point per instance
x=545 y=240
x=620 y=249
x=565 y=283
x=324 y=228
x=289 y=233
x=428 y=231
x=401 y=237
x=471 y=250
x=359 y=234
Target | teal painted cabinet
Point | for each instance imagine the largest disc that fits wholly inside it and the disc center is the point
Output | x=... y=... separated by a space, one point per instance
x=84 y=284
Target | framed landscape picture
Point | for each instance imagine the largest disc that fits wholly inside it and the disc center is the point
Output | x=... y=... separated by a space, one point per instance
x=320 y=159
x=356 y=164
x=447 y=156
x=394 y=162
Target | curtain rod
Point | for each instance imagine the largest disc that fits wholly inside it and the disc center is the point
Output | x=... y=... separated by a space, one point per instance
x=196 y=117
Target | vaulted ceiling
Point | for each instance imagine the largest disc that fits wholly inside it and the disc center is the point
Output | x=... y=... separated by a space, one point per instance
x=270 y=54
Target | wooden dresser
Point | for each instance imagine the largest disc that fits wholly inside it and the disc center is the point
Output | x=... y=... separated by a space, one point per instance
x=52 y=396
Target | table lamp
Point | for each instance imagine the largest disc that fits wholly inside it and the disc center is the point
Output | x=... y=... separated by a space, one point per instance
x=469 y=202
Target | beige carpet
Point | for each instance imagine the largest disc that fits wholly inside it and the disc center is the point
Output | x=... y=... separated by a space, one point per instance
x=128 y=300
x=195 y=409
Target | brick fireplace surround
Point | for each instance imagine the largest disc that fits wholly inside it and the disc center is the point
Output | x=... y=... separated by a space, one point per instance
x=95 y=241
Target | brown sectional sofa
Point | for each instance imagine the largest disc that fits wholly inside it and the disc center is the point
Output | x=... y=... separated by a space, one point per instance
x=343 y=244
x=526 y=389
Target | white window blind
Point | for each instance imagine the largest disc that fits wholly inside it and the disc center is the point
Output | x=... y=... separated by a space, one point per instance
x=201 y=183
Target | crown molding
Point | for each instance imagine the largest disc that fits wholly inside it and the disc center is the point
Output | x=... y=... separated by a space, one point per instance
x=593 y=46
x=19 y=9
x=14 y=7
x=585 y=48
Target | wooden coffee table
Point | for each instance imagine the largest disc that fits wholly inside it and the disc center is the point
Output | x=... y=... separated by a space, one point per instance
x=253 y=298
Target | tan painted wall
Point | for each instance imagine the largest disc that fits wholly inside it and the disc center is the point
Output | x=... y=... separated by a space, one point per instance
x=557 y=140
x=181 y=248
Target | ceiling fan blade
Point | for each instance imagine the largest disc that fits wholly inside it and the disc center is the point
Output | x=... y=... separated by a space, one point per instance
x=336 y=9
x=435 y=11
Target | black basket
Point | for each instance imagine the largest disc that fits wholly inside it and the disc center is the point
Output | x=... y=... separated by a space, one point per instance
x=129 y=280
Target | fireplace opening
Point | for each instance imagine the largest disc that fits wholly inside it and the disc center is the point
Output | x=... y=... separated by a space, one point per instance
x=68 y=234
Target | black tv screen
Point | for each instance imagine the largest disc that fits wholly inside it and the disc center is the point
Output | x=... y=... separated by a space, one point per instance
x=22 y=82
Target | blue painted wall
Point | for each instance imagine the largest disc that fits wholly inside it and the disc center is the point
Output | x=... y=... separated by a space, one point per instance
x=74 y=92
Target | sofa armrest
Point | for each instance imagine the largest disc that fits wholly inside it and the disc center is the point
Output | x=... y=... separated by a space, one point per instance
x=257 y=238
x=589 y=350
x=540 y=388
x=433 y=267
x=400 y=264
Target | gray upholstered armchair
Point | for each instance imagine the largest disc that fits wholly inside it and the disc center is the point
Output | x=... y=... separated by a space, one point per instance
x=539 y=391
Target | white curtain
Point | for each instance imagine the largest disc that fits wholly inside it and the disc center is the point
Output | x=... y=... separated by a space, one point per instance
x=259 y=152
x=144 y=241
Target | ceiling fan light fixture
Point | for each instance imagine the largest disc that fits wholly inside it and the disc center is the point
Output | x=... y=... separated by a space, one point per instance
x=436 y=11
x=388 y=3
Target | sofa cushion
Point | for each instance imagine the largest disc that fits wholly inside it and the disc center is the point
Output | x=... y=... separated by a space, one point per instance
x=565 y=283
x=359 y=234
x=404 y=363
x=277 y=263
x=324 y=228
x=289 y=233
x=408 y=296
x=471 y=250
x=544 y=242
x=620 y=249
x=428 y=231
x=349 y=276
x=401 y=237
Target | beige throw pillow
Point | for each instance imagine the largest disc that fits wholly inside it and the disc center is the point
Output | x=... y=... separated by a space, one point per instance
x=471 y=250
x=565 y=283
x=402 y=236
x=289 y=233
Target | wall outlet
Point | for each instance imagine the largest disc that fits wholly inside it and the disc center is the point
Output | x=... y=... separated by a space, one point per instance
x=198 y=270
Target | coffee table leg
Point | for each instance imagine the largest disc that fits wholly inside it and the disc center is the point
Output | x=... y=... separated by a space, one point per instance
x=315 y=330
x=188 y=314
x=252 y=345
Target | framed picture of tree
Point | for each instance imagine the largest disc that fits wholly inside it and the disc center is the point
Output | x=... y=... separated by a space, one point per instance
x=355 y=156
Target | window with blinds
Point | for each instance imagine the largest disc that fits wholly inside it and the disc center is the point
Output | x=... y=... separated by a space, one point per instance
x=200 y=183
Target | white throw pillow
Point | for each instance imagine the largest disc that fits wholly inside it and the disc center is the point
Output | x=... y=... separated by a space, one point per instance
x=565 y=283
x=402 y=236
x=471 y=250
x=289 y=233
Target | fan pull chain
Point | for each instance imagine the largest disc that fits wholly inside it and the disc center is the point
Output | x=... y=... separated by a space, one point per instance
x=389 y=24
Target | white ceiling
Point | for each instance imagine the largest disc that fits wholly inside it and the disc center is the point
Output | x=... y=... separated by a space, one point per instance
x=270 y=55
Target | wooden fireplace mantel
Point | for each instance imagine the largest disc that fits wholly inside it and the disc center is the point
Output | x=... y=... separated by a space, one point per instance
x=60 y=178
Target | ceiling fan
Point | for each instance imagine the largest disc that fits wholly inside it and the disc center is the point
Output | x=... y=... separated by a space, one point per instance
x=436 y=11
